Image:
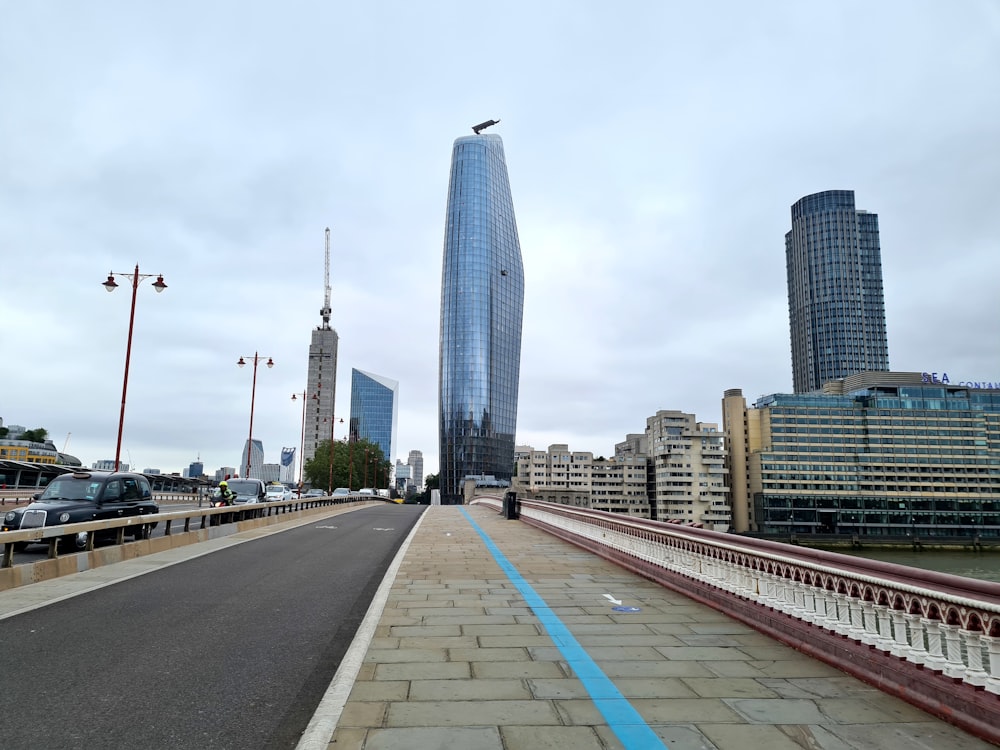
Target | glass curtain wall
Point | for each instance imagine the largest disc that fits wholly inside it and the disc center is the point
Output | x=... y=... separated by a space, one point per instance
x=482 y=297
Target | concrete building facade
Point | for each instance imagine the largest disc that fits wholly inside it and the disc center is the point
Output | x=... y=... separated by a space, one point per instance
x=688 y=463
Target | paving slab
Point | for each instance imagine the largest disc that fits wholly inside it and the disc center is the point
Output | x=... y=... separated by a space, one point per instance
x=500 y=675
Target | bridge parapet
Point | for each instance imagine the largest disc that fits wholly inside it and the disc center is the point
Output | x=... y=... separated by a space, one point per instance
x=930 y=638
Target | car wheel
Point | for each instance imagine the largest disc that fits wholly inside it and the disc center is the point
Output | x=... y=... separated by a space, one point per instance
x=74 y=543
x=20 y=546
x=139 y=532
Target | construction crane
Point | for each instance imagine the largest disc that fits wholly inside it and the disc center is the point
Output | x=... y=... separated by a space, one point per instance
x=325 y=312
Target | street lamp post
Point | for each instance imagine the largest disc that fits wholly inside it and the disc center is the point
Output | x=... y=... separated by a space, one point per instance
x=253 y=396
x=302 y=447
x=110 y=285
x=329 y=481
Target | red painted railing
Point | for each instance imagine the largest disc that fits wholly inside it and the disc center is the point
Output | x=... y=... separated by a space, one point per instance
x=930 y=638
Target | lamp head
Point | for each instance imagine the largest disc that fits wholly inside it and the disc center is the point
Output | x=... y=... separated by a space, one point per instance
x=110 y=284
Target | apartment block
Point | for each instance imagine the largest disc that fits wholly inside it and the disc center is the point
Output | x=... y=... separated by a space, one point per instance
x=690 y=477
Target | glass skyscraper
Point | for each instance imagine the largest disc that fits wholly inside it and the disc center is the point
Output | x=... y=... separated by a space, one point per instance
x=374 y=405
x=836 y=308
x=482 y=299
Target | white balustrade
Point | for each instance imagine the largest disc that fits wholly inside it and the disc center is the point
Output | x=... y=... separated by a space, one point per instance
x=957 y=652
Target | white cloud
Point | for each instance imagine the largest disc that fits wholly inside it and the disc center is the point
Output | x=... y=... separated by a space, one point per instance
x=654 y=151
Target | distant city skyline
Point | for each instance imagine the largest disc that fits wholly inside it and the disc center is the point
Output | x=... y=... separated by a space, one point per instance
x=651 y=226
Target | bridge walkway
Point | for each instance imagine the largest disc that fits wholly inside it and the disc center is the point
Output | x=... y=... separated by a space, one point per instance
x=489 y=634
x=496 y=636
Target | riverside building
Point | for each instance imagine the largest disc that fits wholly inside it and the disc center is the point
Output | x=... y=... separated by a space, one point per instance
x=875 y=454
x=482 y=299
x=559 y=475
x=836 y=309
x=688 y=463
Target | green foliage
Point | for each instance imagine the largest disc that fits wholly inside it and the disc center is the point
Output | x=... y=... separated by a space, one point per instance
x=37 y=435
x=431 y=482
x=349 y=466
x=3 y=432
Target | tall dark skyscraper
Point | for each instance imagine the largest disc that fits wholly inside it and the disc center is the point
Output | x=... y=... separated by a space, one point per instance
x=836 y=309
x=482 y=299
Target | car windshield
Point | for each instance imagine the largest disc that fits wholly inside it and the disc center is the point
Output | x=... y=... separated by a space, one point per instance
x=243 y=488
x=72 y=488
x=275 y=490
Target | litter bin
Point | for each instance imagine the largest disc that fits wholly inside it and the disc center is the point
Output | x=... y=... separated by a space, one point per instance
x=510 y=507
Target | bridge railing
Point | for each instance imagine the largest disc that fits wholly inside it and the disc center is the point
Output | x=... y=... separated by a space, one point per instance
x=918 y=634
x=187 y=520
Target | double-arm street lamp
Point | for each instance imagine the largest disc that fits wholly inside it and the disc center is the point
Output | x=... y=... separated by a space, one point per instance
x=111 y=285
x=253 y=395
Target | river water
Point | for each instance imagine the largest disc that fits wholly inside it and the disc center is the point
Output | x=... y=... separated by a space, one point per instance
x=982 y=565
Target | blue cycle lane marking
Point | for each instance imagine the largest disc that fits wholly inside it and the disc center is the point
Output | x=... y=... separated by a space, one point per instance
x=630 y=728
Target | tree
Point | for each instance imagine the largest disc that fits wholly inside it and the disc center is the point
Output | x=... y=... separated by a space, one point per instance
x=37 y=435
x=431 y=482
x=349 y=465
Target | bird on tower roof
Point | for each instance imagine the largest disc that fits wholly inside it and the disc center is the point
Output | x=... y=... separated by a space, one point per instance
x=483 y=125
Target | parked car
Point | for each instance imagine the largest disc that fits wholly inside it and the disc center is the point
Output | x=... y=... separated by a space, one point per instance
x=247 y=491
x=277 y=492
x=81 y=496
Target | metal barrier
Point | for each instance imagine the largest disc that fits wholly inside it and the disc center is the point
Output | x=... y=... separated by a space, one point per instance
x=203 y=518
x=930 y=638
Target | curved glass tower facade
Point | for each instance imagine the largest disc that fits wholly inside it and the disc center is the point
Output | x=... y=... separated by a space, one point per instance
x=482 y=298
x=836 y=308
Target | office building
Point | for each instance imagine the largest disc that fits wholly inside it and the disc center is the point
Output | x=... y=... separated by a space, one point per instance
x=415 y=461
x=374 y=405
x=105 y=464
x=196 y=469
x=286 y=474
x=836 y=309
x=256 y=460
x=688 y=462
x=874 y=455
x=482 y=299
x=402 y=480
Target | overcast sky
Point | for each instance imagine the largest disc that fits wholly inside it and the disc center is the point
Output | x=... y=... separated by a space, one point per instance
x=654 y=151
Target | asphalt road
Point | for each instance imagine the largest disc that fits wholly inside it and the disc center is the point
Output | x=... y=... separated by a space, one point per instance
x=230 y=650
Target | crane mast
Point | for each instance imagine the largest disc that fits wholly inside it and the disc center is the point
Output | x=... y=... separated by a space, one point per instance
x=325 y=312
